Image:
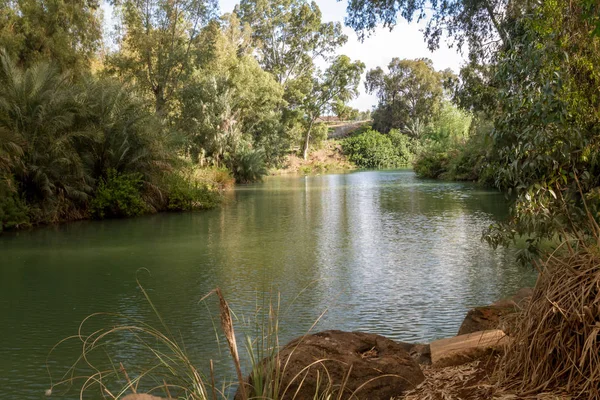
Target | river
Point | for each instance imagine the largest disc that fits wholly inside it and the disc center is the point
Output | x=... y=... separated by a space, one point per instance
x=379 y=251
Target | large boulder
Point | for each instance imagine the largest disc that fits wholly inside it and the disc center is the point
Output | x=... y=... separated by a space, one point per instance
x=493 y=316
x=365 y=365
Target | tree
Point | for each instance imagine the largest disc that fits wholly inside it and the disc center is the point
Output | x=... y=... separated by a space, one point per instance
x=38 y=107
x=157 y=45
x=229 y=102
x=67 y=32
x=290 y=36
x=338 y=83
x=481 y=24
x=546 y=128
x=409 y=94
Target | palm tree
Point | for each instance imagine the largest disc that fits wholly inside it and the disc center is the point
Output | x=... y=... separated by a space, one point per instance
x=37 y=112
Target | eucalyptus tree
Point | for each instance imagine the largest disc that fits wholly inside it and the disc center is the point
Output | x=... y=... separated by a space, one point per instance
x=229 y=102
x=290 y=36
x=409 y=94
x=156 y=42
x=339 y=83
x=482 y=25
x=67 y=32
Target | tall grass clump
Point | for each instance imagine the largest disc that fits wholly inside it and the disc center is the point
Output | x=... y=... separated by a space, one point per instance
x=167 y=370
x=556 y=346
x=96 y=372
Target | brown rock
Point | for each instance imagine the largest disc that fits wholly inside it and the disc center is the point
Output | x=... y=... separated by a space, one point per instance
x=141 y=396
x=421 y=353
x=466 y=348
x=492 y=316
x=379 y=367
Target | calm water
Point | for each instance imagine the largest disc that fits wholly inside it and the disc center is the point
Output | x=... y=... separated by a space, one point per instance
x=382 y=252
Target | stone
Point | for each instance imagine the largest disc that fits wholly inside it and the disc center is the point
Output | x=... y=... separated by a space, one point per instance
x=493 y=316
x=466 y=348
x=420 y=352
x=379 y=367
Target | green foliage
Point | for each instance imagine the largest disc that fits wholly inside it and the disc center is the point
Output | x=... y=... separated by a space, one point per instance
x=432 y=164
x=372 y=149
x=339 y=83
x=13 y=211
x=409 y=94
x=187 y=194
x=38 y=108
x=65 y=32
x=118 y=195
x=156 y=47
x=228 y=101
x=248 y=166
x=450 y=125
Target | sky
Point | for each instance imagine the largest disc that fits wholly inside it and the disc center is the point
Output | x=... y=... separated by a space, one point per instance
x=404 y=41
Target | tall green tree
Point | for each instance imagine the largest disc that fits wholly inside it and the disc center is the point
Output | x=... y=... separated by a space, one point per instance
x=290 y=36
x=481 y=24
x=229 y=102
x=66 y=32
x=157 y=44
x=38 y=108
x=339 y=83
x=409 y=94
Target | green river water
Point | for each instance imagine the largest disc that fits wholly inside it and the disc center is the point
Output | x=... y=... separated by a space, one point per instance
x=382 y=252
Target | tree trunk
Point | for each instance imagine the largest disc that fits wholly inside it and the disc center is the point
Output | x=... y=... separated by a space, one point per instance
x=307 y=140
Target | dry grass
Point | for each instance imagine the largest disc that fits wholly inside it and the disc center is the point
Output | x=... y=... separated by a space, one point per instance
x=556 y=343
x=326 y=159
x=472 y=381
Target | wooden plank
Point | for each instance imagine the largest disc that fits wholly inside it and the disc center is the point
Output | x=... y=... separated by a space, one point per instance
x=464 y=348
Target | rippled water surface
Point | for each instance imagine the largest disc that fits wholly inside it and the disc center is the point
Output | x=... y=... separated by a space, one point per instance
x=382 y=252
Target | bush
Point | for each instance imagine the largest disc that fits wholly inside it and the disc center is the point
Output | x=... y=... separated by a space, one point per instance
x=432 y=164
x=186 y=193
x=372 y=149
x=248 y=166
x=13 y=210
x=118 y=195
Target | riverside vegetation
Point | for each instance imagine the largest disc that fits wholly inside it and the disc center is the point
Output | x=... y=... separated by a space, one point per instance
x=184 y=102
x=125 y=133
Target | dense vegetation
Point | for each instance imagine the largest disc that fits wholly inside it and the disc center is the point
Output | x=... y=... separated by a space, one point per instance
x=90 y=129
x=414 y=117
x=531 y=86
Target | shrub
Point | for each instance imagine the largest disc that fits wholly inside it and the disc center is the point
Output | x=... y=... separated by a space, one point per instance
x=431 y=164
x=13 y=210
x=186 y=193
x=118 y=195
x=248 y=166
x=372 y=149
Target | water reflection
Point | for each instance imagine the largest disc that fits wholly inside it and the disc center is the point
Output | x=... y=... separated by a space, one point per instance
x=383 y=252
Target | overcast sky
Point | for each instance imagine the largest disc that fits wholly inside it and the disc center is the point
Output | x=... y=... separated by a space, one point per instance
x=405 y=41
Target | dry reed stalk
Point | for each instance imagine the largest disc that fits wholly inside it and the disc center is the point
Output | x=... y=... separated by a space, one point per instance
x=556 y=345
x=227 y=326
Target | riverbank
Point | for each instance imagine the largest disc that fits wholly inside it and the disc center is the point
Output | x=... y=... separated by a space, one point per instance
x=327 y=159
x=185 y=188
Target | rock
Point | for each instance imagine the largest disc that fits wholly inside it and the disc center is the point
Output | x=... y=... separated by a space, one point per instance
x=380 y=367
x=466 y=348
x=421 y=353
x=491 y=317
